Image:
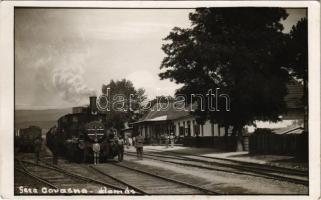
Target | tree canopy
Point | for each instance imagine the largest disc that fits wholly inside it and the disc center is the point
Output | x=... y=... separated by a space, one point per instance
x=237 y=50
x=125 y=102
x=297 y=50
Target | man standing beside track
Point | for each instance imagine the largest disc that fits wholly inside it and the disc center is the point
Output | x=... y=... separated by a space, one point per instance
x=37 y=148
x=96 y=150
x=166 y=140
x=120 y=144
x=139 y=143
x=171 y=139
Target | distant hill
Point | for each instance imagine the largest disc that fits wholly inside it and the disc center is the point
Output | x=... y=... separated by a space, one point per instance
x=42 y=118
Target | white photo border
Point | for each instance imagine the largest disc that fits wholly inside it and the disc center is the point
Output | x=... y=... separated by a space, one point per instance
x=7 y=87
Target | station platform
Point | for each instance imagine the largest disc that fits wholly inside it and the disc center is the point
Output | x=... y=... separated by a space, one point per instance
x=243 y=156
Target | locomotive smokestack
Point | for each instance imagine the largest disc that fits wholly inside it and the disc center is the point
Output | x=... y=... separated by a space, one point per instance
x=93 y=106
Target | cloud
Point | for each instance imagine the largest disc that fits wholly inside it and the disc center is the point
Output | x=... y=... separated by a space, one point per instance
x=127 y=31
x=59 y=70
x=295 y=14
x=151 y=83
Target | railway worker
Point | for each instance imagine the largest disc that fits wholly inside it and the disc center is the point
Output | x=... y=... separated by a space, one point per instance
x=115 y=141
x=120 y=145
x=167 y=140
x=130 y=141
x=96 y=150
x=171 y=138
x=127 y=141
x=37 y=147
x=139 y=143
x=134 y=141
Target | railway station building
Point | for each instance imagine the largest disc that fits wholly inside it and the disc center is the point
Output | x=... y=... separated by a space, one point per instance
x=158 y=123
x=181 y=123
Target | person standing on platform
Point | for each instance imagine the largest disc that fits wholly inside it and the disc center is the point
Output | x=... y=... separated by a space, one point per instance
x=115 y=138
x=96 y=150
x=171 y=138
x=37 y=147
x=127 y=142
x=130 y=141
x=134 y=141
x=167 y=140
x=139 y=143
x=120 y=148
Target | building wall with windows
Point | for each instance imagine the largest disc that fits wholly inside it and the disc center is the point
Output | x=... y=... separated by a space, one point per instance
x=187 y=126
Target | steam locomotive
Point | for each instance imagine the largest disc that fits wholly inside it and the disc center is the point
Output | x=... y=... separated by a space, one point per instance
x=74 y=135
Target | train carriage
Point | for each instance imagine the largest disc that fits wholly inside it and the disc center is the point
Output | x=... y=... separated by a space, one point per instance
x=24 y=139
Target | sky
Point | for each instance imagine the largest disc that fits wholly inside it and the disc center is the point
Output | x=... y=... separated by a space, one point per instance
x=62 y=56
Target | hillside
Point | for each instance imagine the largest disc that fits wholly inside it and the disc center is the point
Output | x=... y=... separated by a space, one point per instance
x=43 y=118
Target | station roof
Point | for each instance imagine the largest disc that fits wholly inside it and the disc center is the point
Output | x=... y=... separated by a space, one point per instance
x=164 y=112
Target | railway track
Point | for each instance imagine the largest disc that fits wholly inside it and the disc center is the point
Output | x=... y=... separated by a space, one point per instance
x=63 y=182
x=34 y=180
x=237 y=162
x=230 y=167
x=136 y=181
x=147 y=182
x=90 y=172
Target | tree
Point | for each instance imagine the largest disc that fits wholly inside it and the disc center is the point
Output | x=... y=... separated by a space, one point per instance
x=124 y=102
x=297 y=59
x=297 y=50
x=236 y=50
x=161 y=99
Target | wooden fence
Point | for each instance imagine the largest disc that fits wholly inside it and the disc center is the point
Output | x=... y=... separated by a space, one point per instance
x=279 y=144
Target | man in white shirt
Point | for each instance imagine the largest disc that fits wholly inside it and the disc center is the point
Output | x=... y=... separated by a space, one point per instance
x=96 y=150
